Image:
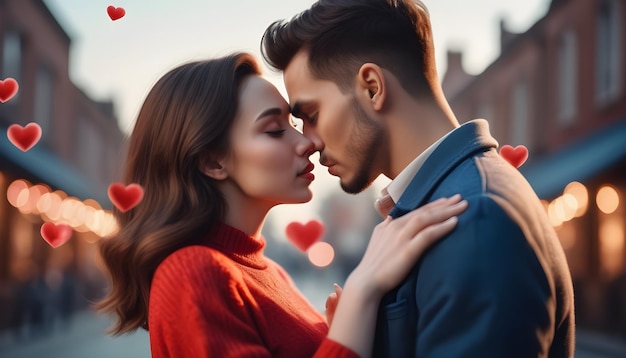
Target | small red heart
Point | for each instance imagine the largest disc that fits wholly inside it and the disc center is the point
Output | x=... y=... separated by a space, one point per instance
x=516 y=156
x=8 y=89
x=125 y=197
x=55 y=235
x=116 y=13
x=24 y=137
x=303 y=236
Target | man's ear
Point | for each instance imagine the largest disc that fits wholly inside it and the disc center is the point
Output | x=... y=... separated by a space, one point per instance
x=371 y=83
x=212 y=168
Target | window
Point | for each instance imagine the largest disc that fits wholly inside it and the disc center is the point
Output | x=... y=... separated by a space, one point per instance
x=11 y=55
x=568 y=78
x=89 y=149
x=608 y=52
x=519 y=114
x=43 y=98
x=11 y=58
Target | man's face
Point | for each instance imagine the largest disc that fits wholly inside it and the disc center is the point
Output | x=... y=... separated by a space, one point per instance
x=347 y=139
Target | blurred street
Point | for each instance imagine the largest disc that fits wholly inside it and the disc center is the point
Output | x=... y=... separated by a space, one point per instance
x=85 y=339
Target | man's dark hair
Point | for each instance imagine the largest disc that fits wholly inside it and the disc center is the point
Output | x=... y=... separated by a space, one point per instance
x=342 y=35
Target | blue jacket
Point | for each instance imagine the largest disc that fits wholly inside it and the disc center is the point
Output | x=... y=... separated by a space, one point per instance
x=498 y=285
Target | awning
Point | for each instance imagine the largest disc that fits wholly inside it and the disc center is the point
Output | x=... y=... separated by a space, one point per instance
x=43 y=166
x=579 y=161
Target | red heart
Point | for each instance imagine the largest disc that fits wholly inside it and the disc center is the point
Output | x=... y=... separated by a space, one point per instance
x=55 y=235
x=303 y=236
x=24 y=137
x=125 y=197
x=116 y=13
x=8 y=89
x=516 y=156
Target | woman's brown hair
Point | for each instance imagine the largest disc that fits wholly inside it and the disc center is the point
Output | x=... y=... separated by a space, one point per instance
x=185 y=118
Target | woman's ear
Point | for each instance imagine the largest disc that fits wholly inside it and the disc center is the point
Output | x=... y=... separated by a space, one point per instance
x=212 y=168
x=371 y=83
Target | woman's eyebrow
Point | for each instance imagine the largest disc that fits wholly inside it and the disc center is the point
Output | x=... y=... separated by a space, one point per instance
x=269 y=112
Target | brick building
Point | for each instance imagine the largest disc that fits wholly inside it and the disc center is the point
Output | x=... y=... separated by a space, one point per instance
x=63 y=178
x=559 y=88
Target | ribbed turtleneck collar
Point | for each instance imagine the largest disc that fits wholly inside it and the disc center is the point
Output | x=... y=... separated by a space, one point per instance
x=238 y=245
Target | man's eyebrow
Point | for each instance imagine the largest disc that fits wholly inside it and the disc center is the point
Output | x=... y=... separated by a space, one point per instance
x=296 y=110
x=269 y=112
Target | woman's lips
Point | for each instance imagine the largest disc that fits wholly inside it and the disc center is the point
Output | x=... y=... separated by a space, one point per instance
x=306 y=173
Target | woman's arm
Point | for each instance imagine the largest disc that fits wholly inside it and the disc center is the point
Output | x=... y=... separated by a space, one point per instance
x=394 y=248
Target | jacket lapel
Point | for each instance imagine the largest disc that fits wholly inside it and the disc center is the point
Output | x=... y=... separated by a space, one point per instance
x=466 y=141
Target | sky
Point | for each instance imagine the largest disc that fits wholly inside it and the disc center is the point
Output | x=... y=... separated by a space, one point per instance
x=120 y=60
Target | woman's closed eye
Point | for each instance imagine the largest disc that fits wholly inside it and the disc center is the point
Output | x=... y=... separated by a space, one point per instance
x=276 y=134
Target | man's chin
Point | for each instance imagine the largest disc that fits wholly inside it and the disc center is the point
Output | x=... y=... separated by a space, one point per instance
x=354 y=187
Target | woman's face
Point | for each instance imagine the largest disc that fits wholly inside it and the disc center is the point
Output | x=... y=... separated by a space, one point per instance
x=268 y=158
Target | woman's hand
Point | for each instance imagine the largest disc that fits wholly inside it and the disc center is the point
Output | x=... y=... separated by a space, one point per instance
x=396 y=245
x=393 y=250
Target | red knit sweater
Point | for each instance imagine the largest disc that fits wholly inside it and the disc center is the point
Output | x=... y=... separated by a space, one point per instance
x=227 y=299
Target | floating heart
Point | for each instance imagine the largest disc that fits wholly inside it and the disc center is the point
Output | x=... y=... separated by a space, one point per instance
x=303 y=236
x=24 y=137
x=55 y=235
x=116 y=13
x=8 y=89
x=125 y=197
x=516 y=156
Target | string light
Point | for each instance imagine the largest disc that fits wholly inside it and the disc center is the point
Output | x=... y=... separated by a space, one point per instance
x=57 y=206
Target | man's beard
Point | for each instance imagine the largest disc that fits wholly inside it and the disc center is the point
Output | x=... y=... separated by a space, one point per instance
x=367 y=138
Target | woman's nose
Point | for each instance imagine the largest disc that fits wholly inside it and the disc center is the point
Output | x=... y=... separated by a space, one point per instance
x=305 y=146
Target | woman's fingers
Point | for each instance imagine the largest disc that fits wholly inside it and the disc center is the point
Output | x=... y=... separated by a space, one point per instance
x=331 y=303
x=431 y=216
x=426 y=209
x=431 y=234
x=338 y=290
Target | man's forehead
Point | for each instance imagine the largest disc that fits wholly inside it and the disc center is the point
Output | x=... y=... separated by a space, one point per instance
x=297 y=69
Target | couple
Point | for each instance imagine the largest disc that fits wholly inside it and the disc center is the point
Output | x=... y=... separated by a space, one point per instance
x=214 y=148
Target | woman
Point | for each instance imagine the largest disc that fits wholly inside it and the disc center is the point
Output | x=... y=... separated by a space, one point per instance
x=215 y=149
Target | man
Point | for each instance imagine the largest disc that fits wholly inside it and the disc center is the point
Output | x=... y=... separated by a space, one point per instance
x=361 y=74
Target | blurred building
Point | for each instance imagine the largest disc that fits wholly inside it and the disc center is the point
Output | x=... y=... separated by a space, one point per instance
x=560 y=89
x=62 y=179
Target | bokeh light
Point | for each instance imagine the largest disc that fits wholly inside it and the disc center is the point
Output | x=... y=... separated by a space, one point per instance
x=57 y=207
x=321 y=254
x=580 y=193
x=607 y=199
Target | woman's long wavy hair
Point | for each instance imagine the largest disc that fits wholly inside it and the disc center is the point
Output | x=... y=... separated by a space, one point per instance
x=186 y=117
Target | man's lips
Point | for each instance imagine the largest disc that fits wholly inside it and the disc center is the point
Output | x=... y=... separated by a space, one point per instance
x=331 y=171
x=325 y=162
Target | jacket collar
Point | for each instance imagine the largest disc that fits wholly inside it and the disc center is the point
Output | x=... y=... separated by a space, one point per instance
x=467 y=140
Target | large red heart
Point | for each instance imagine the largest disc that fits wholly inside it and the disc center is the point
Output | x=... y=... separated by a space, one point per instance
x=125 y=197
x=8 y=89
x=116 y=13
x=24 y=137
x=303 y=236
x=516 y=156
x=55 y=235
